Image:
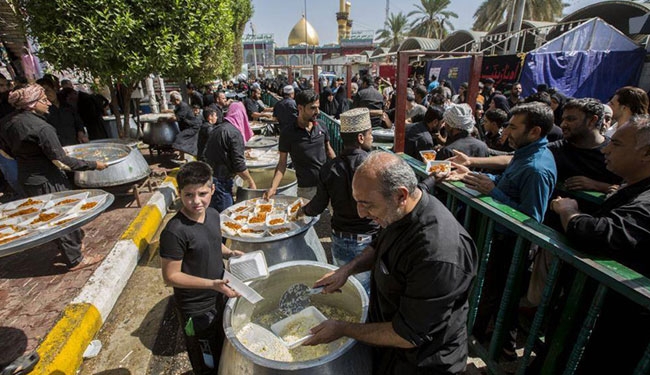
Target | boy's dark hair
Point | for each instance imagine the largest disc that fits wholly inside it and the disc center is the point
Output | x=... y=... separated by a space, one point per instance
x=194 y=173
x=305 y=97
x=433 y=112
x=497 y=116
x=539 y=97
x=207 y=112
x=190 y=86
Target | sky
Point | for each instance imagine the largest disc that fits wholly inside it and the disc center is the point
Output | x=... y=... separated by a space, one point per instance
x=279 y=16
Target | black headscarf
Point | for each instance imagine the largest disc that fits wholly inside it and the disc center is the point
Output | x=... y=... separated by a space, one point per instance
x=327 y=107
x=501 y=102
x=341 y=98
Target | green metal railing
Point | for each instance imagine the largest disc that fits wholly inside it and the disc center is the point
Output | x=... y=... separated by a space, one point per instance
x=270 y=99
x=334 y=128
x=608 y=275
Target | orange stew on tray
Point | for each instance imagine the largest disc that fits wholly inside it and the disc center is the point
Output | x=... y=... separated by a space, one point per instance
x=276 y=221
x=438 y=168
x=29 y=202
x=279 y=230
x=232 y=225
x=88 y=206
x=26 y=211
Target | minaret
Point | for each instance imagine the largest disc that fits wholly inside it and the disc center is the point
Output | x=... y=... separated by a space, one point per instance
x=342 y=20
x=348 y=24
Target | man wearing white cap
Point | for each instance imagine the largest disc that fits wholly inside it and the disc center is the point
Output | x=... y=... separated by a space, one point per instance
x=285 y=111
x=459 y=121
x=350 y=233
x=607 y=117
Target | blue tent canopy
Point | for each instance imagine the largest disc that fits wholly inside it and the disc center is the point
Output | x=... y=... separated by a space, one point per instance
x=593 y=59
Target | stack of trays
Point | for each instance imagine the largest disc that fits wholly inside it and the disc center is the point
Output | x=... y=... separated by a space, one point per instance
x=257 y=218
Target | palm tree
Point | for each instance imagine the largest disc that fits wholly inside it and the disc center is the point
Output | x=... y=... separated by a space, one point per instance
x=395 y=28
x=432 y=20
x=492 y=13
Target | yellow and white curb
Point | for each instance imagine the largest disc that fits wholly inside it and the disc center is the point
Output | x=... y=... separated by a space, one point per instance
x=61 y=351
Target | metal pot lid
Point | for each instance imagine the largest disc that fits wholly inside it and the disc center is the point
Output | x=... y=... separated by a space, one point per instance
x=154 y=117
x=261 y=142
x=383 y=133
x=109 y=153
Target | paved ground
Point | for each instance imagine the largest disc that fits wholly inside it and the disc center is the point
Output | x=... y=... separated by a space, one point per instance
x=35 y=286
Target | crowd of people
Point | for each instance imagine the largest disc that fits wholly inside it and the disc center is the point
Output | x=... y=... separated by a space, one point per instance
x=527 y=153
x=388 y=229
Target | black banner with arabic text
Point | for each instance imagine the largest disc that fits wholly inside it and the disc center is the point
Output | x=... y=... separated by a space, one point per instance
x=504 y=70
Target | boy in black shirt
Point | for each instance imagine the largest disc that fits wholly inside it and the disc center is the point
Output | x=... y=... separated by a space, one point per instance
x=192 y=262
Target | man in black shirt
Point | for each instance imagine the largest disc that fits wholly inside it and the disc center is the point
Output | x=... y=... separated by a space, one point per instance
x=369 y=97
x=515 y=95
x=350 y=233
x=418 y=136
x=210 y=118
x=307 y=141
x=619 y=229
x=188 y=125
x=578 y=156
x=192 y=262
x=459 y=122
x=423 y=264
x=194 y=97
x=224 y=152
x=254 y=109
x=220 y=105
x=285 y=110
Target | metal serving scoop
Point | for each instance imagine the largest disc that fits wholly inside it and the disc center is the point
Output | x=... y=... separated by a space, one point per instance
x=296 y=298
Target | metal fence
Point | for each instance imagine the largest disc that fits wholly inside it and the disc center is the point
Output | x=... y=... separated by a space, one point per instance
x=573 y=307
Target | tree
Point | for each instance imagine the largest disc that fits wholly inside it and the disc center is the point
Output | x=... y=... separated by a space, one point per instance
x=492 y=13
x=243 y=11
x=395 y=28
x=432 y=20
x=121 y=42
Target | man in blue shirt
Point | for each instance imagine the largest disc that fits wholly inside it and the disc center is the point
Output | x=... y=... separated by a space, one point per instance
x=530 y=177
x=525 y=185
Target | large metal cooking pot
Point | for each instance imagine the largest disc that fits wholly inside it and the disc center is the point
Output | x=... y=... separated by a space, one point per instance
x=263 y=179
x=131 y=169
x=158 y=129
x=351 y=358
x=111 y=123
x=298 y=244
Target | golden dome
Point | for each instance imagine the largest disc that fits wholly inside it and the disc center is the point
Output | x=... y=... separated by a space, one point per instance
x=297 y=35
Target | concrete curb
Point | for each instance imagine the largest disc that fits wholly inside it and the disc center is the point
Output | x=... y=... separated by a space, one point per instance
x=61 y=351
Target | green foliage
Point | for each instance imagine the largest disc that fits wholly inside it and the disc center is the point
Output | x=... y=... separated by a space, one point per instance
x=492 y=13
x=432 y=19
x=243 y=10
x=395 y=28
x=123 y=41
